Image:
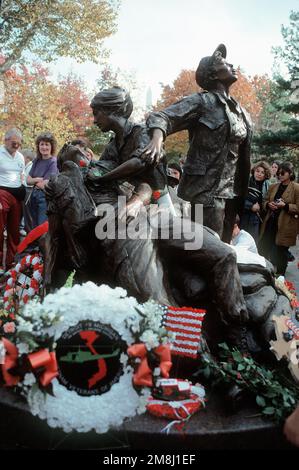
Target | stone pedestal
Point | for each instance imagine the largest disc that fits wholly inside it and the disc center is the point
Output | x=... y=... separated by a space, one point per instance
x=211 y=428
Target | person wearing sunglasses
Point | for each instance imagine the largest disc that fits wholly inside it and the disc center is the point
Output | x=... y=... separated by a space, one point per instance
x=280 y=226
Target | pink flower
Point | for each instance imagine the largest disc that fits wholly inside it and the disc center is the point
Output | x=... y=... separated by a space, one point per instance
x=9 y=327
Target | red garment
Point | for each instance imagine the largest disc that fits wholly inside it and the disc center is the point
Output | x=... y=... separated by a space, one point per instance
x=33 y=235
x=10 y=216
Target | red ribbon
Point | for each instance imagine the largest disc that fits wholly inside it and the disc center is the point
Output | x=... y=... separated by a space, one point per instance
x=32 y=236
x=143 y=375
x=46 y=360
x=10 y=361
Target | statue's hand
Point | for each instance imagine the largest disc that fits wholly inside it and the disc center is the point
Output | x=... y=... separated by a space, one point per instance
x=131 y=210
x=94 y=175
x=153 y=151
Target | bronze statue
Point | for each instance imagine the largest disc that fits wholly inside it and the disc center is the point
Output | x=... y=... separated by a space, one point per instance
x=217 y=168
x=160 y=269
x=111 y=116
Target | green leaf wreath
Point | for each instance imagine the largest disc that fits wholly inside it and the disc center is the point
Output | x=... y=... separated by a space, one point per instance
x=275 y=392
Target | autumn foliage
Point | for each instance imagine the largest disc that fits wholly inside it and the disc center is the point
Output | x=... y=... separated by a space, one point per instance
x=75 y=103
x=251 y=93
x=33 y=103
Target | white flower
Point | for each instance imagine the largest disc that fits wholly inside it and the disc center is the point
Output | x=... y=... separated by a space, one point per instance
x=143 y=400
x=25 y=326
x=23 y=348
x=123 y=359
x=29 y=379
x=53 y=317
x=150 y=339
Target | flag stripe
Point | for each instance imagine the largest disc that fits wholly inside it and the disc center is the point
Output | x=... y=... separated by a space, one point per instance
x=185 y=315
x=186 y=323
x=187 y=336
x=181 y=329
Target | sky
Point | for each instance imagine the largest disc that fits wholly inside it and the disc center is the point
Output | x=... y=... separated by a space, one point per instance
x=156 y=39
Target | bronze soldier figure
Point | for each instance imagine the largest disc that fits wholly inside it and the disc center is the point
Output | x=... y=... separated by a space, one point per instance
x=217 y=168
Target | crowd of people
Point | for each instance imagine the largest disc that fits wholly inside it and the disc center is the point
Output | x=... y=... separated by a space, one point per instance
x=268 y=219
x=23 y=176
x=268 y=222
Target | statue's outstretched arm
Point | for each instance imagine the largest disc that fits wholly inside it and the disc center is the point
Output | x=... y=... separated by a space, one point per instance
x=126 y=169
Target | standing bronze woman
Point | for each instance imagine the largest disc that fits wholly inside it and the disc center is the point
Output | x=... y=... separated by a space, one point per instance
x=217 y=168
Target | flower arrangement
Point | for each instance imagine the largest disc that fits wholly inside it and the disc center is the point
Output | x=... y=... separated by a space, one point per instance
x=23 y=283
x=37 y=354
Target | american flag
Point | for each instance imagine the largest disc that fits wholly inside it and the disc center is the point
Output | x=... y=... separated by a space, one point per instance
x=186 y=323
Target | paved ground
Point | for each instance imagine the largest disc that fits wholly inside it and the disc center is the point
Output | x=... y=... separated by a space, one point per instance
x=292 y=273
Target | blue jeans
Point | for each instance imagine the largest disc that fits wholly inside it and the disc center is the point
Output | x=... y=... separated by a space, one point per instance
x=38 y=207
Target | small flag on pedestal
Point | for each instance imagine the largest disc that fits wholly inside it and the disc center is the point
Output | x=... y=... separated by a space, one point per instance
x=186 y=323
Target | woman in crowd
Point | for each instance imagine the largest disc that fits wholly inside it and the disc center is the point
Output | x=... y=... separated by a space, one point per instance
x=44 y=166
x=279 y=229
x=257 y=190
x=274 y=168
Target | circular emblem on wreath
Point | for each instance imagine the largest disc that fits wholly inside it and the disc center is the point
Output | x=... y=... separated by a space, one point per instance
x=89 y=329
x=88 y=356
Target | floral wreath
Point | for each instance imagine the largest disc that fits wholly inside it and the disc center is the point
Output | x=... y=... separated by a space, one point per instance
x=17 y=290
x=30 y=362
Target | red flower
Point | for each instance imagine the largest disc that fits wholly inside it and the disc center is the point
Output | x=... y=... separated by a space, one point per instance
x=156 y=195
x=82 y=163
x=34 y=284
x=9 y=327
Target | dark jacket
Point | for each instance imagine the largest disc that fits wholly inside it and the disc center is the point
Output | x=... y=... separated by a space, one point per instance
x=288 y=219
x=251 y=221
x=135 y=139
x=205 y=117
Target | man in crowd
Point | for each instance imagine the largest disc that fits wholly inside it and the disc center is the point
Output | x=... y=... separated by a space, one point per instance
x=241 y=238
x=12 y=192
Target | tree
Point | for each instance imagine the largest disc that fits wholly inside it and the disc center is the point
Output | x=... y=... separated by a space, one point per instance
x=55 y=28
x=290 y=52
x=251 y=93
x=33 y=104
x=279 y=136
x=75 y=103
x=110 y=78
